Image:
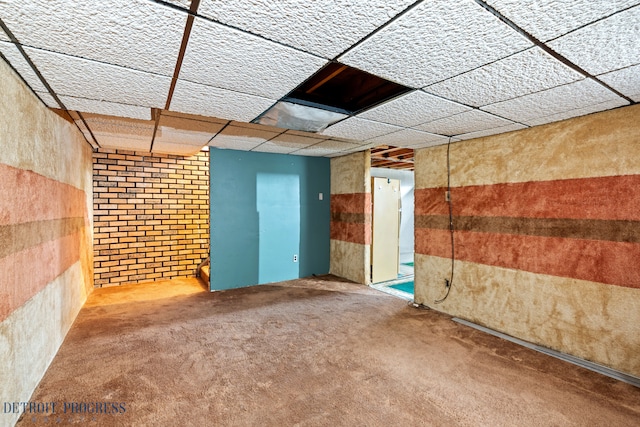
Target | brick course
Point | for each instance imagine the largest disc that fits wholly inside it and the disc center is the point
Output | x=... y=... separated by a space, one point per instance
x=151 y=215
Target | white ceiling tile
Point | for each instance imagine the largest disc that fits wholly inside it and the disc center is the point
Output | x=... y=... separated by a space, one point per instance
x=82 y=78
x=602 y=106
x=295 y=141
x=165 y=147
x=469 y=121
x=525 y=72
x=412 y=109
x=241 y=138
x=494 y=131
x=315 y=152
x=607 y=45
x=359 y=129
x=434 y=41
x=185 y=4
x=626 y=81
x=107 y=108
x=132 y=33
x=186 y=131
x=223 y=57
x=332 y=144
x=406 y=137
x=17 y=61
x=194 y=98
x=270 y=147
x=429 y=144
x=48 y=100
x=554 y=101
x=119 y=133
x=4 y=36
x=548 y=19
x=325 y=28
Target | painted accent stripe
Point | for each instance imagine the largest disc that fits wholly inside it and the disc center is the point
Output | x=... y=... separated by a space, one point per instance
x=356 y=218
x=27 y=272
x=351 y=232
x=34 y=197
x=590 y=229
x=18 y=237
x=613 y=197
x=351 y=203
x=594 y=260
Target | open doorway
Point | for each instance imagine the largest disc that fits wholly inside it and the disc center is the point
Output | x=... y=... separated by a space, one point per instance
x=392 y=168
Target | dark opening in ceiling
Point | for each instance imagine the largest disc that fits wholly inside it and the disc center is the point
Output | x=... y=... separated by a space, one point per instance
x=345 y=89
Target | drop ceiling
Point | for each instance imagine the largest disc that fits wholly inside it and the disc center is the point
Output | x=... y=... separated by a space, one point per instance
x=175 y=76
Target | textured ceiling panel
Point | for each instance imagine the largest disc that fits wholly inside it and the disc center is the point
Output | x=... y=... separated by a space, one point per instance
x=359 y=129
x=607 y=105
x=553 y=101
x=605 y=46
x=627 y=81
x=48 y=100
x=132 y=33
x=494 y=131
x=295 y=141
x=548 y=19
x=104 y=107
x=315 y=151
x=436 y=40
x=165 y=147
x=185 y=4
x=181 y=130
x=408 y=137
x=195 y=98
x=526 y=72
x=469 y=121
x=270 y=147
x=413 y=109
x=335 y=145
x=17 y=61
x=118 y=133
x=241 y=138
x=82 y=78
x=230 y=59
x=325 y=28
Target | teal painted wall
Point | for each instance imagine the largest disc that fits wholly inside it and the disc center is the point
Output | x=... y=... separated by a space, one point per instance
x=264 y=210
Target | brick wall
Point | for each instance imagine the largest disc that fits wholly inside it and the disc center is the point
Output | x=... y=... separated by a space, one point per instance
x=151 y=215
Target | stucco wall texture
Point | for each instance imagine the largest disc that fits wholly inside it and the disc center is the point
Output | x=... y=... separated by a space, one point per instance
x=46 y=234
x=351 y=217
x=547 y=240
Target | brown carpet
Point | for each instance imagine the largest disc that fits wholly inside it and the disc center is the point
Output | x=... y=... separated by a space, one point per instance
x=310 y=352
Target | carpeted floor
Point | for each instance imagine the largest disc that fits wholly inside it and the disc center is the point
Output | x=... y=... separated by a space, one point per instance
x=310 y=352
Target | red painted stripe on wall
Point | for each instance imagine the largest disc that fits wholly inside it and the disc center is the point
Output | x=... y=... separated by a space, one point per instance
x=27 y=272
x=350 y=232
x=28 y=196
x=614 y=197
x=351 y=203
x=614 y=263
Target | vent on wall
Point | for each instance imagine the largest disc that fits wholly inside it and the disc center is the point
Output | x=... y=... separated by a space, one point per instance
x=330 y=95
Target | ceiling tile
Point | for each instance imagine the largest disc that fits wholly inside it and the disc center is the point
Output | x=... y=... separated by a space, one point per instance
x=80 y=124
x=176 y=130
x=359 y=129
x=335 y=145
x=525 y=72
x=436 y=40
x=270 y=147
x=104 y=107
x=469 y=121
x=48 y=100
x=132 y=33
x=165 y=147
x=412 y=109
x=194 y=98
x=81 y=78
x=602 y=106
x=494 y=131
x=241 y=138
x=230 y=59
x=626 y=81
x=315 y=151
x=407 y=137
x=557 y=100
x=119 y=133
x=607 y=45
x=548 y=19
x=17 y=61
x=320 y=27
x=185 y=4
x=295 y=141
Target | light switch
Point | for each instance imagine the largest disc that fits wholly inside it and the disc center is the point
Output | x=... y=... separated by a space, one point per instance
x=320 y=196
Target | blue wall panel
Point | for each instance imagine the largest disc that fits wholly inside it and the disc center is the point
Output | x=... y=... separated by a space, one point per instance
x=264 y=210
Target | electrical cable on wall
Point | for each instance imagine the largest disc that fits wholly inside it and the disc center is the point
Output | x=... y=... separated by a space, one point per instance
x=449 y=282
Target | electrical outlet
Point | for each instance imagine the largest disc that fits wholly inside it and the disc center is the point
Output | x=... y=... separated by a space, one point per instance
x=447 y=196
x=295 y=258
x=447 y=283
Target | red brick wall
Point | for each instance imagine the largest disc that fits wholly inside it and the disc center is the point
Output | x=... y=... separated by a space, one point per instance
x=151 y=215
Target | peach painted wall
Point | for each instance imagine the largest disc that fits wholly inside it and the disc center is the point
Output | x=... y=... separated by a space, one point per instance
x=547 y=234
x=46 y=235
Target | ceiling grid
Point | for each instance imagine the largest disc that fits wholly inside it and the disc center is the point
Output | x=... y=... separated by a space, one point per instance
x=210 y=68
